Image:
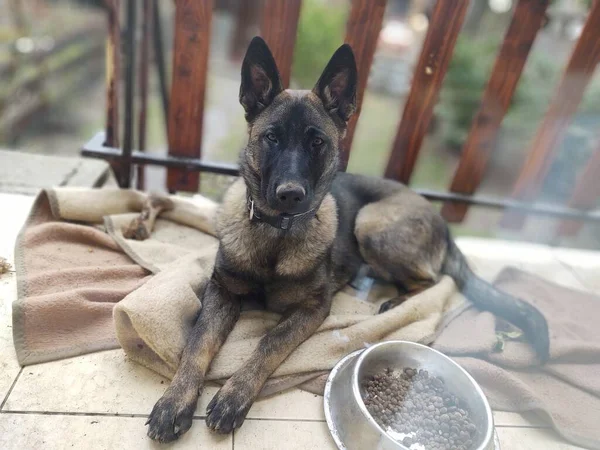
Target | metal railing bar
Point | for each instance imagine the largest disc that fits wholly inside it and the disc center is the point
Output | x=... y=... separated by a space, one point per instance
x=95 y=149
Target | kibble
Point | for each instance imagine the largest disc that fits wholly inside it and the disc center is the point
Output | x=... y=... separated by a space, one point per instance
x=417 y=406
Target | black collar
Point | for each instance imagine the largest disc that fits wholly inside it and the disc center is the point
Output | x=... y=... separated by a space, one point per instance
x=281 y=221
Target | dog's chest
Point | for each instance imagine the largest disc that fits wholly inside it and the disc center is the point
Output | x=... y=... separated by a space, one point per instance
x=256 y=252
x=265 y=254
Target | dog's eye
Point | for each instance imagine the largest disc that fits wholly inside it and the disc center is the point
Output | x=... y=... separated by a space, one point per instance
x=272 y=137
x=317 y=142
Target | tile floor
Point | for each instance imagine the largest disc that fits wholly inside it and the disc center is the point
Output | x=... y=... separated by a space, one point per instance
x=101 y=401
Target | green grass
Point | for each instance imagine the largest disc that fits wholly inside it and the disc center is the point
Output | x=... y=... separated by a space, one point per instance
x=321 y=29
x=374 y=134
x=230 y=146
x=156 y=131
x=374 y=138
x=372 y=144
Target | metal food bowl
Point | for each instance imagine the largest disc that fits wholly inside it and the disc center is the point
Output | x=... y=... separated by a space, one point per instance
x=351 y=425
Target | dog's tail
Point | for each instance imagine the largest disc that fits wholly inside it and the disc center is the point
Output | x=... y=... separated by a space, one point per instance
x=488 y=297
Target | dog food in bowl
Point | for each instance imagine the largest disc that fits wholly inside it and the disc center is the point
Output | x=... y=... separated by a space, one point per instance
x=417 y=410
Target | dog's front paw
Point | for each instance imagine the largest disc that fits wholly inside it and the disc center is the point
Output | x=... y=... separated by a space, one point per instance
x=171 y=417
x=228 y=408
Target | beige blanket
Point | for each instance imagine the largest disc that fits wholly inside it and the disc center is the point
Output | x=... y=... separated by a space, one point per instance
x=76 y=272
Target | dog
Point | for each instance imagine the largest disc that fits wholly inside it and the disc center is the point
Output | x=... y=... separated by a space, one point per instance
x=293 y=230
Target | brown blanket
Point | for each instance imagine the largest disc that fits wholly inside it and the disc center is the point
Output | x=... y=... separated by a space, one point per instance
x=566 y=391
x=69 y=279
x=74 y=266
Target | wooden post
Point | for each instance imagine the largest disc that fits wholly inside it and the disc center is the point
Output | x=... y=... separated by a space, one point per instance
x=527 y=20
x=190 y=70
x=445 y=25
x=362 y=33
x=278 y=28
x=563 y=106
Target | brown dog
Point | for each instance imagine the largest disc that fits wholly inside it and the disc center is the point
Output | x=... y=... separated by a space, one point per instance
x=293 y=231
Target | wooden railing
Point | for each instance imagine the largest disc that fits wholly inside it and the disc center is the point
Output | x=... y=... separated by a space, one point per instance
x=279 y=22
x=527 y=20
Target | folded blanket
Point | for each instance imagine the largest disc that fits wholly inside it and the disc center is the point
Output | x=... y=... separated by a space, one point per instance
x=74 y=265
x=566 y=391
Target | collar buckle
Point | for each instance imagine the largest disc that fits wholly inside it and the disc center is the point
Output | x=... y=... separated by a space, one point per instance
x=285 y=222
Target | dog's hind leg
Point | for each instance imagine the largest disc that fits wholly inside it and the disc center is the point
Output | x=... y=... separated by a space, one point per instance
x=172 y=414
x=404 y=242
x=408 y=243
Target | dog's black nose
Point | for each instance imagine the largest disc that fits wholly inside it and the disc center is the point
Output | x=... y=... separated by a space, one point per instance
x=290 y=197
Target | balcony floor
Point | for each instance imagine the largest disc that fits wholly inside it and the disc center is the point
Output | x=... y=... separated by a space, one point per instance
x=101 y=400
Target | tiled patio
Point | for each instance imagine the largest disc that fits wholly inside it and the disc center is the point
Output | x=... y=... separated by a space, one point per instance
x=101 y=401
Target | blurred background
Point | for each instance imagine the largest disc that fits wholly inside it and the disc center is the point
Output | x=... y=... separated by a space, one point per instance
x=53 y=93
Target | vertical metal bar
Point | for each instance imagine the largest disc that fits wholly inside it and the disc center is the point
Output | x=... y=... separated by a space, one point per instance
x=159 y=59
x=143 y=81
x=446 y=23
x=362 y=33
x=125 y=175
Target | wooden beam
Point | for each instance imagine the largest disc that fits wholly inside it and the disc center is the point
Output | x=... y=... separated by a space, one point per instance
x=190 y=70
x=362 y=33
x=278 y=28
x=585 y=195
x=527 y=19
x=444 y=27
x=568 y=96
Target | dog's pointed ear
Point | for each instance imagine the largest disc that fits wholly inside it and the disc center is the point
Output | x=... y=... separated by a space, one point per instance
x=337 y=86
x=260 y=79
